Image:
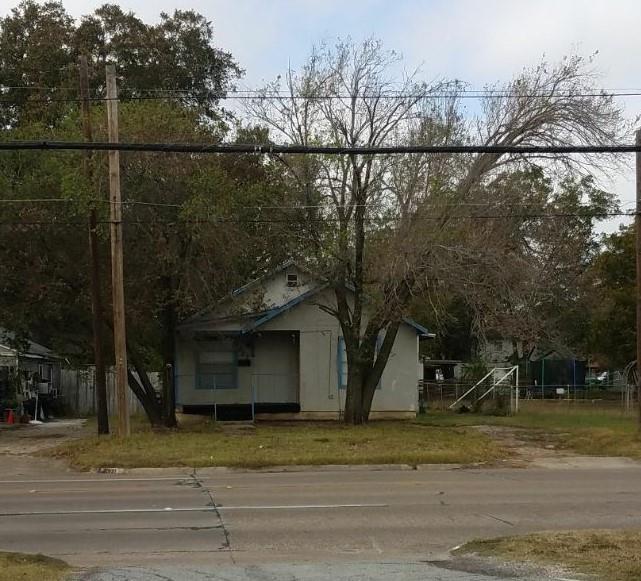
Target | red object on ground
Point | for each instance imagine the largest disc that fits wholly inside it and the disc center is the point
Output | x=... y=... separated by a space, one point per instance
x=11 y=418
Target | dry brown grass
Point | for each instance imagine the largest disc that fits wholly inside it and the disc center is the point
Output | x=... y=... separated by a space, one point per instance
x=611 y=555
x=586 y=429
x=20 y=566
x=206 y=444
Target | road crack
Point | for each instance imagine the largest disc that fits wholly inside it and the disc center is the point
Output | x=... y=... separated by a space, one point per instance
x=496 y=518
x=227 y=542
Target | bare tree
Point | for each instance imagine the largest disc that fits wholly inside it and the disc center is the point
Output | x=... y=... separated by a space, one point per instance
x=386 y=228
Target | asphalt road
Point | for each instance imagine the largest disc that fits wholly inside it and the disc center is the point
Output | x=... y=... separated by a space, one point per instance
x=361 y=524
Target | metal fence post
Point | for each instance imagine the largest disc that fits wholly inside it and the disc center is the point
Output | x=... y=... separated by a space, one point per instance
x=253 y=383
x=516 y=403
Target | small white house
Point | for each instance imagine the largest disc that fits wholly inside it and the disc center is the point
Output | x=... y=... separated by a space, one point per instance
x=270 y=351
x=36 y=365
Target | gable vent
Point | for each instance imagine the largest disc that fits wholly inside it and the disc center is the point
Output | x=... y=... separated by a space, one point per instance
x=292 y=279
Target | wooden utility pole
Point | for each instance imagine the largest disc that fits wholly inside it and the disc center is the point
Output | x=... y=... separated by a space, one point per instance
x=96 y=298
x=637 y=224
x=117 y=271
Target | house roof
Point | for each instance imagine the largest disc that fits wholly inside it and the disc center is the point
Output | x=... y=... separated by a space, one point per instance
x=276 y=311
x=422 y=331
x=33 y=350
x=252 y=283
x=256 y=320
x=241 y=290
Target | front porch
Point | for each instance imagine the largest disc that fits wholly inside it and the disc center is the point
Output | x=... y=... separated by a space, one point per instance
x=232 y=376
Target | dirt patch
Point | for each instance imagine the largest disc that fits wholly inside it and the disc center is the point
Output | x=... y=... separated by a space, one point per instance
x=23 y=440
x=525 y=445
x=499 y=568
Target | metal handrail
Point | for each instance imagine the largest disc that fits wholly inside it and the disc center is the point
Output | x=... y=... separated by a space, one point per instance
x=471 y=389
x=510 y=370
x=498 y=382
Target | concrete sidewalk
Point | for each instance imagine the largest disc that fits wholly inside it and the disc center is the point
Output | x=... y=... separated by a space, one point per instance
x=371 y=571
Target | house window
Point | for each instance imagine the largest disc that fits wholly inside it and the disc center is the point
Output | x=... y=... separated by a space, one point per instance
x=341 y=363
x=496 y=345
x=292 y=279
x=217 y=366
x=379 y=344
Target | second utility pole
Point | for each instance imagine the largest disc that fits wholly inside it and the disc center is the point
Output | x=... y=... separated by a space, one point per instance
x=117 y=274
x=96 y=299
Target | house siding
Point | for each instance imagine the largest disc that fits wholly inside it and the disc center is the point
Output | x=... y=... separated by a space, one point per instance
x=316 y=364
x=319 y=336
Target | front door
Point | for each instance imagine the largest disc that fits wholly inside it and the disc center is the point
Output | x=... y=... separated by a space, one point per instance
x=275 y=373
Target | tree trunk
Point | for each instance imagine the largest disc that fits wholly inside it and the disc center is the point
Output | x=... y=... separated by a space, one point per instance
x=376 y=369
x=143 y=389
x=354 y=399
x=365 y=371
x=148 y=402
x=141 y=385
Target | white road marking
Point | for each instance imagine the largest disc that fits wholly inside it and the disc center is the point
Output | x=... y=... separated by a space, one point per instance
x=300 y=506
x=192 y=509
x=98 y=480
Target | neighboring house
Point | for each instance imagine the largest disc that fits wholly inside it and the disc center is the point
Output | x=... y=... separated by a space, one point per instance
x=496 y=352
x=35 y=367
x=434 y=370
x=269 y=350
x=545 y=370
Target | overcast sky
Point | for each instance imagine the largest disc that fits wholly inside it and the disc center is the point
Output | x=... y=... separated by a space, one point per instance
x=480 y=42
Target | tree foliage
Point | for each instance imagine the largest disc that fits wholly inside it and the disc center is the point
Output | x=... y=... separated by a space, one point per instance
x=505 y=238
x=612 y=300
x=40 y=45
x=402 y=227
x=193 y=224
x=529 y=279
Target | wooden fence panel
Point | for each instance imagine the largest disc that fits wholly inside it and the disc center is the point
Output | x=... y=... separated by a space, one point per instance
x=78 y=390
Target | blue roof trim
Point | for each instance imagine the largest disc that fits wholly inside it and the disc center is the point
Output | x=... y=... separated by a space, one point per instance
x=273 y=313
x=419 y=328
x=240 y=290
x=282 y=266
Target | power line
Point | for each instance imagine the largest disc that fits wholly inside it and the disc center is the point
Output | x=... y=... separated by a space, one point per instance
x=262 y=94
x=328 y=206
x=542 y=215
x=71 y=201
x=313 y=149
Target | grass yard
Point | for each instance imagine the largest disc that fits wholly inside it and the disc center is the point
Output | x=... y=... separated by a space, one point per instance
x=596 y=430
x=19 y=566
x=611 y=555
x=207 y=444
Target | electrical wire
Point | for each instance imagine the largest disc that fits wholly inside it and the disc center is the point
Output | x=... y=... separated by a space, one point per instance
x=267 y=94
x=543 y=215
x=313 y=149
x=381 y=205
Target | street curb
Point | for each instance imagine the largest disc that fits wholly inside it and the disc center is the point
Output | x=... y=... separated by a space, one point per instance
x=217 y=470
